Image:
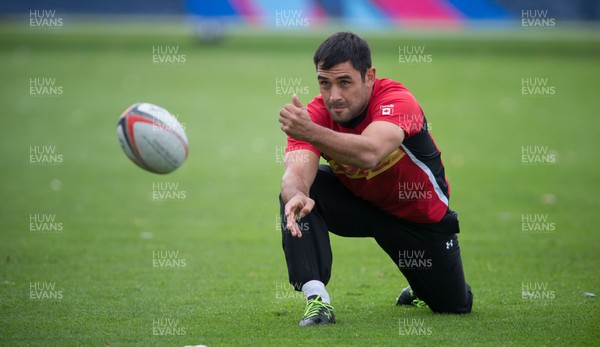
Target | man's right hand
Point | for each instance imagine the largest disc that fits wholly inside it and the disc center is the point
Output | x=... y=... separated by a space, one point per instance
x=296 y=208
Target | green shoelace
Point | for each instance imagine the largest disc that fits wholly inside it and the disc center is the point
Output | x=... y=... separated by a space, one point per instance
x=416 y=301
x=419 y=303
x=314 y=306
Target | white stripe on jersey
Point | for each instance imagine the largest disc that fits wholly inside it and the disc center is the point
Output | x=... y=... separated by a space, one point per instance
x=426 y=169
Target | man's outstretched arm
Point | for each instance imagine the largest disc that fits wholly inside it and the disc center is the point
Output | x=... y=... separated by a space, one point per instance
x=300 y=171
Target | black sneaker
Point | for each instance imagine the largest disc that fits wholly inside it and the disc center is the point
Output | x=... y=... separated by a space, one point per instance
x=408 y=297
x=317 y=312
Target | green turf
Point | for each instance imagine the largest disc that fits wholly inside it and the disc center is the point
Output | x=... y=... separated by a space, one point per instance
x=232 y=289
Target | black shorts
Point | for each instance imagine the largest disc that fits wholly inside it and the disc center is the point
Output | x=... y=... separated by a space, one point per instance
x=427 y=254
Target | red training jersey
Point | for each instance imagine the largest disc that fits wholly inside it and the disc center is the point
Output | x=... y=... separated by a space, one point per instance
x=410 y=182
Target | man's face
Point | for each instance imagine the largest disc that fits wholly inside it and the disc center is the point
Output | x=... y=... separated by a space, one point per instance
x=343 y=90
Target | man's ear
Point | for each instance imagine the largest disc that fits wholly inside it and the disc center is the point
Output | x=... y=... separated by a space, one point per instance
x=370 y=76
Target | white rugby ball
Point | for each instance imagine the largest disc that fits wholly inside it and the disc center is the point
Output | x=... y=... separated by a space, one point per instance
x=152 y=138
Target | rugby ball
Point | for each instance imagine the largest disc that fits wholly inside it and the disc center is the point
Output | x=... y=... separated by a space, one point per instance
x=152 y=138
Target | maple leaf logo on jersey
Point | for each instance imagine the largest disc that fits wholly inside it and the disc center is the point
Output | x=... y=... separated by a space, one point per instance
x=387 y=110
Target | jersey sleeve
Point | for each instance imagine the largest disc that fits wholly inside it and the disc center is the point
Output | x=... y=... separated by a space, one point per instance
x=400 y=108
x=316 y=111
x=295 y=145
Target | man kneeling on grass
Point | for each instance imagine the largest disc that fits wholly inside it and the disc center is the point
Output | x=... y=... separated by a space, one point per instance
x=385 y=180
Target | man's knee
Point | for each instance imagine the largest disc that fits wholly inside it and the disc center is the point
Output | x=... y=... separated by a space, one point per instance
x=460 y=305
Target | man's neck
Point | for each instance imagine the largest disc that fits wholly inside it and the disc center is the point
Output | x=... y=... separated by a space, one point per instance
x=354 y=122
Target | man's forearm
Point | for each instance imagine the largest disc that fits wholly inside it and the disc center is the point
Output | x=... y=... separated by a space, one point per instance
x=292 y=185
x=348 y=149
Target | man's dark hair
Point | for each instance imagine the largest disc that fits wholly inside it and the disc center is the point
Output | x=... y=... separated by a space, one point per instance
x=342 y=47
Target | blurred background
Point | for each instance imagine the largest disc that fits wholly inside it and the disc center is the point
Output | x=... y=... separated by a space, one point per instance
x=212 y=18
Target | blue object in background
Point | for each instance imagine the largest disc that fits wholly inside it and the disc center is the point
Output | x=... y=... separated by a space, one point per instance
x=480 y=9
x=212 y=8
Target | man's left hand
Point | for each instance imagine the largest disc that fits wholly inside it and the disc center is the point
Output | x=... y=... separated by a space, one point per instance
x=295 y=121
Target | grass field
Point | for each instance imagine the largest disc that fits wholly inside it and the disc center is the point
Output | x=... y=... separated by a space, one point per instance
x=101 y=278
